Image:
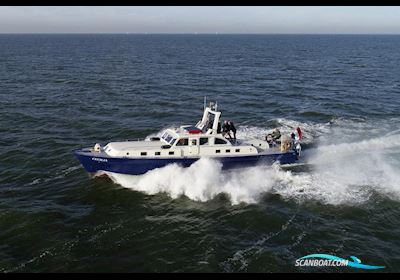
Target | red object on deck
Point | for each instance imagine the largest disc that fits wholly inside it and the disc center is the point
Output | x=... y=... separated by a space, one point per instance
x=193 y=130
x=299 y=133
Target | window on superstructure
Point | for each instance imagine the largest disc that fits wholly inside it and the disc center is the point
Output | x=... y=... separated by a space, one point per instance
x=172 y=141
x=219 y=141
x=143 y=153
x=237 y=150
x=157 y=153
x=167 y=137
x=171 y=153
x=183 y=142
x=217 y=151
x=203 y=141
x=227 y=151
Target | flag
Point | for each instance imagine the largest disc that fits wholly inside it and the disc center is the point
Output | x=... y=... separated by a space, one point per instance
x=299 y=133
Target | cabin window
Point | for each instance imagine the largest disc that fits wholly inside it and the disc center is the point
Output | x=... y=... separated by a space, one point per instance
x=157 y=153
x=143 y=153
x=194 y=142
x=203 y=141
x=227 y=151
x=127 y=154
x=167 y=137
x=183 y=142
x=237 y=150
x=217 y=151
x=219 y=141
x=171 y=153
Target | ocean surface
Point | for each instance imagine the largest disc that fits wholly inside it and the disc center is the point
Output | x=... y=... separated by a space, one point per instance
x=63 y=92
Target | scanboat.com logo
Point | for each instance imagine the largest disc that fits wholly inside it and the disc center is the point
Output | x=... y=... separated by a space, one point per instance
x=329 y=260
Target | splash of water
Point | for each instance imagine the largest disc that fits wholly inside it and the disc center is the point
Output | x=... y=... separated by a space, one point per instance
x=348 y=172
x=342 y=173
x=202 y=181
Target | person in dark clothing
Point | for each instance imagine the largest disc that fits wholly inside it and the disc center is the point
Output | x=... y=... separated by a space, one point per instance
x=276 y=134
x=293 y=136
x=226 y=129
x=233 y=129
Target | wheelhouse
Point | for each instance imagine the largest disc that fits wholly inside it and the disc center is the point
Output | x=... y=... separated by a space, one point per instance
x=169 y=137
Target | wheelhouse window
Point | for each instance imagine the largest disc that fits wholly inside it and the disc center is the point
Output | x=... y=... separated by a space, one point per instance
x=194 y=142
x=182 y=142
x=203 y=141
x=219 y=141
x=168 y=138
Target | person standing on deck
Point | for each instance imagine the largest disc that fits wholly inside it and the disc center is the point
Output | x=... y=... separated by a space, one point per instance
x=233 y=129
x=276 y=135
x=226 y=130
x=293 y=140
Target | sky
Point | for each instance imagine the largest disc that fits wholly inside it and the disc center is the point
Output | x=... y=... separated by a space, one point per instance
x=203 y=19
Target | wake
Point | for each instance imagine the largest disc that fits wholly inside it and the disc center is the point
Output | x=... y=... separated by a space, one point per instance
x=343 y=173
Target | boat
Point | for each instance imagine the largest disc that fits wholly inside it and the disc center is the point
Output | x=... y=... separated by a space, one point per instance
x=187 y=144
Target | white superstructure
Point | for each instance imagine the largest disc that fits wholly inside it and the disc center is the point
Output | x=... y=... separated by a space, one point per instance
x=202 y=140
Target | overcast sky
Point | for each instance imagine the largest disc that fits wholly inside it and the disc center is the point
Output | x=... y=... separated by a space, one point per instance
x=200 y=19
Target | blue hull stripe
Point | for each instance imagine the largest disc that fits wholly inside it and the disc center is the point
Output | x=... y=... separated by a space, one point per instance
x=93 y=163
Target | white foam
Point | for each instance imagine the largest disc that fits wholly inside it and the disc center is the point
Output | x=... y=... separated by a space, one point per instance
x=202 y=181
x=343 y=173
x=310 y=130
x=59 y=175
x=348 y=172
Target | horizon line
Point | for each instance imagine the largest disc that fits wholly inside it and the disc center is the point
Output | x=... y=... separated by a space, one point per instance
x=181 y=33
